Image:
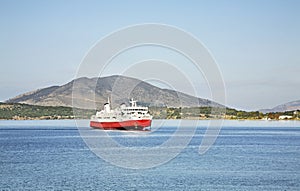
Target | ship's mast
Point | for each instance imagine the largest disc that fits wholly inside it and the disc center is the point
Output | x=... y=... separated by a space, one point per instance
x=133 y=102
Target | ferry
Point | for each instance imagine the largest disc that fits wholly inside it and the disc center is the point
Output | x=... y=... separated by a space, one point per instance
x=133 y=117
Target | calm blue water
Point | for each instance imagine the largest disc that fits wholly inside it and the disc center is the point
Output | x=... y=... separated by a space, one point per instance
x=247 y=155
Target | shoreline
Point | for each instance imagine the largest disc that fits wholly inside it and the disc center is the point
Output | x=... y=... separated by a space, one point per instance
x=208 y=119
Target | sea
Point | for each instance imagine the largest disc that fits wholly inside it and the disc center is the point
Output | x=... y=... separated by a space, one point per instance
x=241 y=155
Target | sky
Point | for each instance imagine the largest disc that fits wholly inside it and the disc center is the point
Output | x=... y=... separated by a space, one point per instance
x=256 y=43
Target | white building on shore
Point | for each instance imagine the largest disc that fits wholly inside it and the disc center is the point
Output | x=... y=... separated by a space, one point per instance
x=282 y=117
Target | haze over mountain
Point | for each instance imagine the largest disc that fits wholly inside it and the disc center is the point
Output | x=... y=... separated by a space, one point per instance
x=290 y=106
x=92 y=93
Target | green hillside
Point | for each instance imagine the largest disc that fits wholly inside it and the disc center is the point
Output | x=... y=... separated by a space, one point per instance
x=24 y=111
x=19 y=111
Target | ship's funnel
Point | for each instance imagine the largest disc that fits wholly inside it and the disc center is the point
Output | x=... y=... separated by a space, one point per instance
x=107 y=106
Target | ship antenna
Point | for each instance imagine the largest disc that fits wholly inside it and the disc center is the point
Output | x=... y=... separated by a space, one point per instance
x=133 y=103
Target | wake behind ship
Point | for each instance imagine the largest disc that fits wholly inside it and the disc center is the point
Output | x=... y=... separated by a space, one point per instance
x=123 y=118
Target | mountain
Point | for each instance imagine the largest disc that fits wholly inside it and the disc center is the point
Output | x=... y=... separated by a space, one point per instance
x=92 y=93
x=290 y=106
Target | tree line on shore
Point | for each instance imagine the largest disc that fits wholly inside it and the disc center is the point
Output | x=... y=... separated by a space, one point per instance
x=17 y=111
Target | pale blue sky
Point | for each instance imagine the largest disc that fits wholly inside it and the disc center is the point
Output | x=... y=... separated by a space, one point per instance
x=255 y=43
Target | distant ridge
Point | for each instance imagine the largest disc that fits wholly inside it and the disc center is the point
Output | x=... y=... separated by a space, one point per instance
x=119 y=88
x=290 y=106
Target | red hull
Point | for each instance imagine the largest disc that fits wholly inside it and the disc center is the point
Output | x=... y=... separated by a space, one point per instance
x=124 y=125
